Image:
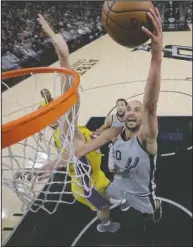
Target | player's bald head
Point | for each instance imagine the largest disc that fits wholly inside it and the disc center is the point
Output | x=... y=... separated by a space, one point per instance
x=135 y=103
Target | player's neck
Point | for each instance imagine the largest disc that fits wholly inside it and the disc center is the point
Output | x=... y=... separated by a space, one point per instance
x=129 y=134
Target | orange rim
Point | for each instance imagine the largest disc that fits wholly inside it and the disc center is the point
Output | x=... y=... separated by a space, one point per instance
x=17 y=130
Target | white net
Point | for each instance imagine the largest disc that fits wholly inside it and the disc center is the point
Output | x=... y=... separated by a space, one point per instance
x=21 y=161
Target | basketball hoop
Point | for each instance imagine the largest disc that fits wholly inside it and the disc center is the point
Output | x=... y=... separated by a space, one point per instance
x=23 y=150
x=23 y=127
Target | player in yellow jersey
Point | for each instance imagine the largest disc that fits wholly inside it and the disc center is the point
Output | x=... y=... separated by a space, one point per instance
x=46 y=95
x=98 y=200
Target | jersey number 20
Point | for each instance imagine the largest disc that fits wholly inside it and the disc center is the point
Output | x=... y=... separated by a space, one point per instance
x=129 y=163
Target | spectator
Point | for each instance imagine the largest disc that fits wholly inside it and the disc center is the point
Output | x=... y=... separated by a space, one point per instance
x=11 y=57
x=24 y=40
x=8 y=64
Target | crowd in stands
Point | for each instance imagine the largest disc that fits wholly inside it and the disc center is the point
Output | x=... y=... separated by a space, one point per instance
x=172 y=10
x=188 y=5
x=23 y=42
x=25 y=45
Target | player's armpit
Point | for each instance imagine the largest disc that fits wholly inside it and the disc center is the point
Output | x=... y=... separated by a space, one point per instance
x=107 y=136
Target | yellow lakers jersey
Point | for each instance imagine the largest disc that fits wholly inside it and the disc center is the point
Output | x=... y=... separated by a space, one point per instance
x=94 y=158
x=43 y=103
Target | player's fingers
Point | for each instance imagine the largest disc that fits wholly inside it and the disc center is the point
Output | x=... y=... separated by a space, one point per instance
x=145 y=30
x=41 y=176
x=159 y=18
x=154 y=22
x=38 y=19
x=41 y=17
x=46 y=27
x=42 y=21
x=156 y=19
x=158 y=13
x=44 y=176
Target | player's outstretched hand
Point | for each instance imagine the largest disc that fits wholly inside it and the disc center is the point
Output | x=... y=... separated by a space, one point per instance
x=45 y=26
x=157 y=35
x=95 y=133
x=29 y=174
x=58 y=42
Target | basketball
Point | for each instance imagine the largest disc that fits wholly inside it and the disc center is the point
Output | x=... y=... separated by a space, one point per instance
x=123 y=21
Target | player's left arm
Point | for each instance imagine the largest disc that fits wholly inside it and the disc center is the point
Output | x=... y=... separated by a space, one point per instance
x=107 y=124
x=62 y=51
x=106 y=136
x=149 y=129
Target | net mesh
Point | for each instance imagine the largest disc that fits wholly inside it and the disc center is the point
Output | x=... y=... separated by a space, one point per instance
x=21 y=161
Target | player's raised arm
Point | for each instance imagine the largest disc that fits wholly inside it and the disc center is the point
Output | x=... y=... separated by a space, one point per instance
x=149 y=128
x=106 y=125
x=62 y=50
x=107 y=136
x=58 y=42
